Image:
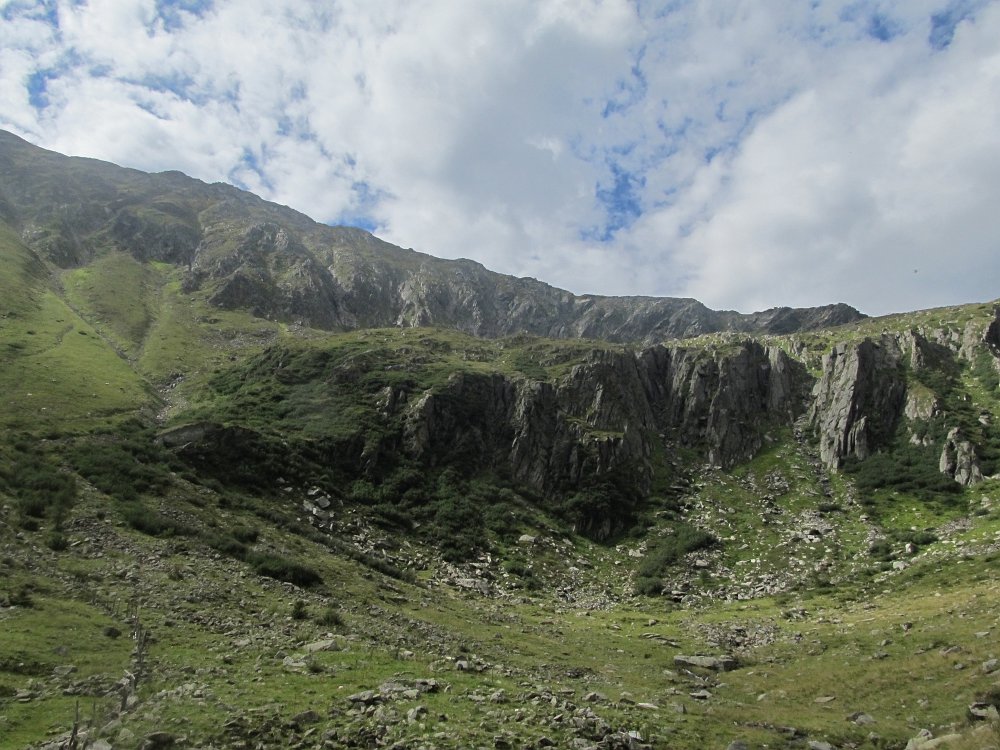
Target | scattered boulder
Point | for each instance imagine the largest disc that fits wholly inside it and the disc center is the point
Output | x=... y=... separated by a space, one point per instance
x=306 y=717
x=983 y=712
x=328 y=644
x=724 y=663
x=959 y=460
x=926 y=741
x=365 y=697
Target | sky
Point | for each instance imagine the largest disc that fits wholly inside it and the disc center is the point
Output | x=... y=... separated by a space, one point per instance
x=748 y=153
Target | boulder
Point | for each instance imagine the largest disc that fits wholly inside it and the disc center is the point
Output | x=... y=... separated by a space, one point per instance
x=723 y=663
x=983 y=712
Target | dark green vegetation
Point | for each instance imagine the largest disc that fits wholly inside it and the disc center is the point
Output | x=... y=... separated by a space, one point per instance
x=667 y=552
x=414 y=537
x=40 y=490
x=906 y=468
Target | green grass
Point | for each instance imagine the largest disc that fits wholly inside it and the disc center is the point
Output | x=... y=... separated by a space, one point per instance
x=56 y=631
x=118 y=294
x=22 y=274
x=189 y=337
x=59 y=372
x=218 y=648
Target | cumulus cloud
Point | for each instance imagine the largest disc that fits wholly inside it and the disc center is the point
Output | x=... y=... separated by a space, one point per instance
x=872 y=185
x=747 y=153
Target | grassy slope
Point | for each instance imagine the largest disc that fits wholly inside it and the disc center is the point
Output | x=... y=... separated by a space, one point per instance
x=57 y=370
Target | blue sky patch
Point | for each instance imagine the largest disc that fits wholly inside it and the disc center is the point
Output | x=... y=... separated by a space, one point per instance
x=249 y=161
x=178 y=84
x=943 y=24
x=37 y=86
x=870 y=20
x=360 y=221
x=174 y=13
x=366 y=199
x=629 y=91
x=883 y=28
x=621 y=202
x=47 y=10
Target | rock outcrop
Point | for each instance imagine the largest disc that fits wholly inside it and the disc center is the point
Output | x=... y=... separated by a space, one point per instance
x=268 y=272
x=959 y=460
x=859 y=399
x=614 y=412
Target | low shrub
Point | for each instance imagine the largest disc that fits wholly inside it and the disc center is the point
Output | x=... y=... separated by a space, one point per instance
x=299 y=610
x=156 y=524
x=331 y=617
x=282 y=569
x=518 y=568
x=605 y=509
x=245 y=534
x=670 y=549
x=228 y=546
x=880 y=550
x=905 y=468
x=29 y=524
x=40 y=488
x=19 y=597
x=647 y=586
x=125 y=464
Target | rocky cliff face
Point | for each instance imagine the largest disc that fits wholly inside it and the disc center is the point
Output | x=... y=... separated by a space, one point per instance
x=959 y=460
x=624 y=411
x=614 y=412
x=868 y=389
x=268 y=259
x=858 y=400
x=620 y=423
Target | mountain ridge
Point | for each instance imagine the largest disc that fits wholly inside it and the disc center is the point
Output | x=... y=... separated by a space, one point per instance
x=253 y=254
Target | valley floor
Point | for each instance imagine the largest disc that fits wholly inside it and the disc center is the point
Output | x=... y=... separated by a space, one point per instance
x=134 y=641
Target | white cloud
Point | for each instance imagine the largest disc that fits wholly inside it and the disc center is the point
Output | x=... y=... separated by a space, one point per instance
x=874 y=187
x=744 y=152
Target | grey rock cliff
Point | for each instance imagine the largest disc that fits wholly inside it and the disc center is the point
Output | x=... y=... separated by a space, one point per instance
x=612 y=413
x=858 y=400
